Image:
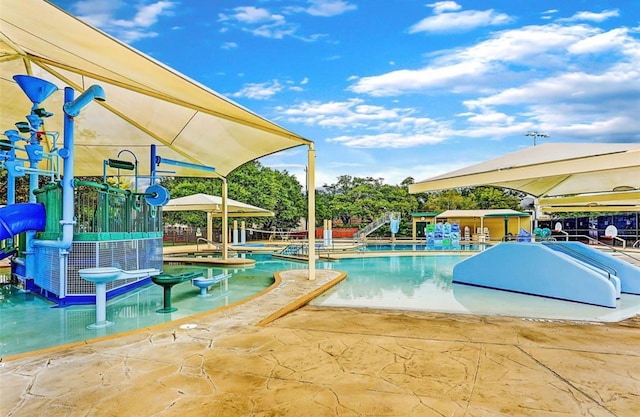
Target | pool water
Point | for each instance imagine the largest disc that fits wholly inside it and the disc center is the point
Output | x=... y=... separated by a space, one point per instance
x=424 y=283
x=29 y=322
x=420 y=282
x=422 y=247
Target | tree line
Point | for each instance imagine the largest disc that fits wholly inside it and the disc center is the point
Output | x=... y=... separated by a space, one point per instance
x=349 y=202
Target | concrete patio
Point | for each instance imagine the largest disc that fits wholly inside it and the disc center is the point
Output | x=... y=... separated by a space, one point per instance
x=245 y=361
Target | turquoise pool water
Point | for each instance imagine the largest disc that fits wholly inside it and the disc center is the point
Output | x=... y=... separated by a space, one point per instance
x=421 y=247
x=421 y=282
x=424 y=283
x=29 y=322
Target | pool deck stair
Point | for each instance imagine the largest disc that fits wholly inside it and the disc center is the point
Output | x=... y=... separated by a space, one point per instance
x=537 y=269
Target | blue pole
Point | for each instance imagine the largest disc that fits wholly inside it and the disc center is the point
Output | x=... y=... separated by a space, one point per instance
x=11 y=188
x=154 y=163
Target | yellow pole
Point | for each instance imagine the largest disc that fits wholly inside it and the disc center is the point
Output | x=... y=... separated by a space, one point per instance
x=225 y=220
x=209 y=229
x=311 y=201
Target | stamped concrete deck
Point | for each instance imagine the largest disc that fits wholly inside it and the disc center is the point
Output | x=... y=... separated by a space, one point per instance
x=335 y=362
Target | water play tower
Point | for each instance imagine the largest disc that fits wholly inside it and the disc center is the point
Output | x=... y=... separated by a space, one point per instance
x=69 y=225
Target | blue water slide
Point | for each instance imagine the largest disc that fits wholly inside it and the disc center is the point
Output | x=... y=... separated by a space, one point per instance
x=628 y=273
x=532 y=268
x=20 y=217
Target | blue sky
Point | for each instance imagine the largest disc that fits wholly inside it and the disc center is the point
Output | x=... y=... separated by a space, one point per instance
x=397 y=88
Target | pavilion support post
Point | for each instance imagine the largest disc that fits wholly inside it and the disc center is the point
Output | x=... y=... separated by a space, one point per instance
x=225 y=220
x=209 y=229
x=235 y=232
x=311 y=201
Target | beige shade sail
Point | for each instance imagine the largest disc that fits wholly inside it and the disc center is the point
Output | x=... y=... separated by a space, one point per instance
x=213 y=204
x=481 y=213
x=619 y=201
x=576 y=174
x=146 y=102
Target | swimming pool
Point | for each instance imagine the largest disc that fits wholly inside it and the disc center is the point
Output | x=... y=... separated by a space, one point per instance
x=421 y=247
x=29 y=322
x=424 y=283
x=418 y=282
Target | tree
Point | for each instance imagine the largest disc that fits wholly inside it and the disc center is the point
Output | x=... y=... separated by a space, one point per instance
x=366 y=198
x=277 y=191
x=491 y=197
x=21 y=188
x=447 y=200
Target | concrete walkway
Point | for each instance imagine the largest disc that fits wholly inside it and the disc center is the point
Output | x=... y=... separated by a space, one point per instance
x=335 y=362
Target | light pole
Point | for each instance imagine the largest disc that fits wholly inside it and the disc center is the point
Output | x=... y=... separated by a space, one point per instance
x=536 y=135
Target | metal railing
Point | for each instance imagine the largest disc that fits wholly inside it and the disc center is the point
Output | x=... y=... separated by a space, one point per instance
x=605 y=246
x=373 y=226
x=302 y=249
x=216 y=245
x=101 y=212
x=608 y=269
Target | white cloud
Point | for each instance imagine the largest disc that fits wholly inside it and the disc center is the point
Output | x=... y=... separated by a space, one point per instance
x=602 y=42
x=326 y=8
x=250 y=14
x=258 y=21
x=387 y=140
x=489 y=117
x=96 y=12
x=570 y=87
x=591 y=106
x=467 y=68
x=259 y=91
x=229 y=45
x=591 y=16
x=405 y=81
x=146 y=16
x=390 y=127
x=101 y=13
x=444 y=21
x=444 y=6
x=263 y=23
x=273 y=31
x=340 y=114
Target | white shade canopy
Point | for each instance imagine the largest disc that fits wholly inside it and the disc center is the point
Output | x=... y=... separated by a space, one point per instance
x=584 y=175
x=146 y=102
x=480 y=213
x=213 y=204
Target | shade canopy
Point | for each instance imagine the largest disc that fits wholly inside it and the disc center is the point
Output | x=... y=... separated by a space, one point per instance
x=213 y=204
x=459 y=214
x=583 y=175
x=146 y=102
x=618 y=201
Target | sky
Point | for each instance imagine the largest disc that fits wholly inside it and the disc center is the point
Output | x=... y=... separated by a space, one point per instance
x=401 y=88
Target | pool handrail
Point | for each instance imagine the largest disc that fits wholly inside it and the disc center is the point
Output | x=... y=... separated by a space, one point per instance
x=608 y=269
x=216 y=245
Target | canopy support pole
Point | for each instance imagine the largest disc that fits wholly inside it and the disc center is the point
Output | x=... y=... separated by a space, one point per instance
x=209 y=229
x=225 y=220
x=311 y=201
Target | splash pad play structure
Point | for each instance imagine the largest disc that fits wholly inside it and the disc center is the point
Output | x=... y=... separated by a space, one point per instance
x=76 y=241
